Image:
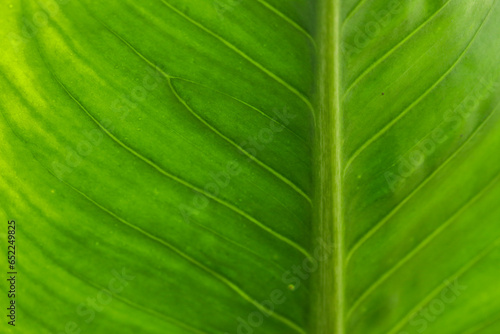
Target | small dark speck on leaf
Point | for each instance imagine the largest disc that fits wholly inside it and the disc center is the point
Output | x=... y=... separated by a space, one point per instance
x=382 y=93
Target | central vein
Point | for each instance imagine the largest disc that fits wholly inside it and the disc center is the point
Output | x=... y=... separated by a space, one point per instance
x=337 y=170
x=330 y=316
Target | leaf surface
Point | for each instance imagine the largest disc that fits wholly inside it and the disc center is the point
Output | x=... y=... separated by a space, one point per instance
x=188 y=166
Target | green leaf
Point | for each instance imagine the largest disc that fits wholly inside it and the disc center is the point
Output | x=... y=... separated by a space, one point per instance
x=229 y=166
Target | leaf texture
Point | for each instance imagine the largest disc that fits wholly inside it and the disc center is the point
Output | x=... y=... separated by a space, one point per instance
x=252 y=166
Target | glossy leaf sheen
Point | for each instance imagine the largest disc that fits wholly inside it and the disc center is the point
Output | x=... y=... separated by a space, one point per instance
x=207 y=146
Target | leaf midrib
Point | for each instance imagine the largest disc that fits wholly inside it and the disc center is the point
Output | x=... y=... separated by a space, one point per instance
x=331 y=309
x=338 y=168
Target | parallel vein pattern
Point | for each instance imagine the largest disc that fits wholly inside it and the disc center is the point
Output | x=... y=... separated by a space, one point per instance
x=421 y=118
